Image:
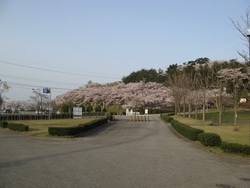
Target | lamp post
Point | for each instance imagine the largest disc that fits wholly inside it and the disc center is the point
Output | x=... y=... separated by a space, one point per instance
x=248 y=36
x=50 y=111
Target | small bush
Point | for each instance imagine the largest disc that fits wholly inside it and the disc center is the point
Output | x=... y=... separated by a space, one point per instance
x=185 y=130
x=235 y=148
x=18 y=127
x=209 y=139
x=3 y=124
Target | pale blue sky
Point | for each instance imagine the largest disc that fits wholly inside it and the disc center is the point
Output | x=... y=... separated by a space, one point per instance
x=43 y=43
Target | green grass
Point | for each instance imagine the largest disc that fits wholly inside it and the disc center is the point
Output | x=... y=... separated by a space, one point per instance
x=40 y=127
x=227 y=116
x=226 y=130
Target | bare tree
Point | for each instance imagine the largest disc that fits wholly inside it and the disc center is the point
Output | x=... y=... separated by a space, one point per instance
x=243 y=34
x=175 y=82
x=3 y=88
x=218 y=98
x=39 y=100
x=190 y=92
x=205 y=82
x=218 y=91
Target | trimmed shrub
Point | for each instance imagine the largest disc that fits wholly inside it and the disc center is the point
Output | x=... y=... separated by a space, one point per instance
x=187 y=131
x=235 y=148
x=3 y=124
x=71 y=131
x=209 y=139
x=64 y=131
x=166 y=118
x=93 y=124
x=18 y=127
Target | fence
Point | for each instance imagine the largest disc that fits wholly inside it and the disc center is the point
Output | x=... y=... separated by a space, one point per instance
x=32 y=116
x=10 y=117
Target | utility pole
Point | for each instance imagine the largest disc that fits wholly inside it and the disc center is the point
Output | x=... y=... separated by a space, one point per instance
x=248 y=35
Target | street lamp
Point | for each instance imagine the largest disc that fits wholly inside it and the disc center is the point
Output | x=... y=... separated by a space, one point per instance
x=248 y=35
x=50 y=111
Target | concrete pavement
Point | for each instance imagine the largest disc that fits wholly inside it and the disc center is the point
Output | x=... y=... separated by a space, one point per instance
x=120 y=154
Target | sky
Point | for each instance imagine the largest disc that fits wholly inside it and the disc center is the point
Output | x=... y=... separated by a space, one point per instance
x=63 y=44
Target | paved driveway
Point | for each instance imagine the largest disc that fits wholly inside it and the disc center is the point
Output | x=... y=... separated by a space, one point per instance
x=120 y=154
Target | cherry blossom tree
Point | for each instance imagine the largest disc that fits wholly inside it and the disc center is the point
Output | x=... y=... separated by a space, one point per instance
x=3 y=88
x=133 y=95
x=237 y=78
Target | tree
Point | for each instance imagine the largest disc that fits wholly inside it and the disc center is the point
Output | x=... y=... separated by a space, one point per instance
x=191 y=86
x=236 y=79
x=242 y=30
x=145 y=75
x=83 y=107
x=64 y=108
x=89 y=108
x=205 y=81
x=218 y=91
x=39 y=100
x=98 y=108
x=175 y=83
x=3 y=88
x=138 y=94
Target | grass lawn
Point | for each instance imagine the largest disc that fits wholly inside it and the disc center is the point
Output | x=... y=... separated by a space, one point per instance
x=226 y=130
x=40 y=127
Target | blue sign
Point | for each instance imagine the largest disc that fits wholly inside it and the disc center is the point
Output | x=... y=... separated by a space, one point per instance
x=46 y=90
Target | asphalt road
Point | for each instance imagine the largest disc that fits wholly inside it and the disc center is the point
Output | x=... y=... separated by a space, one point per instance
x=121 y=154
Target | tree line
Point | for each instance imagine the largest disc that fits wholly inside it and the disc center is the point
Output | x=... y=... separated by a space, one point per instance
x=198 y=83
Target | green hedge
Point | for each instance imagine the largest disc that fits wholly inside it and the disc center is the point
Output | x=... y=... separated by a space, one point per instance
x=18 y=127
x=3 y=124
x=209 y=139
x=235 y=148
x=166 y=118
x=93 y=124
x=71 y=131
x=64 y=131
x=185 y=130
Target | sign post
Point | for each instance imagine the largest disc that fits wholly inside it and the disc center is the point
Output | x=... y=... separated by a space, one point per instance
x=48 y=91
